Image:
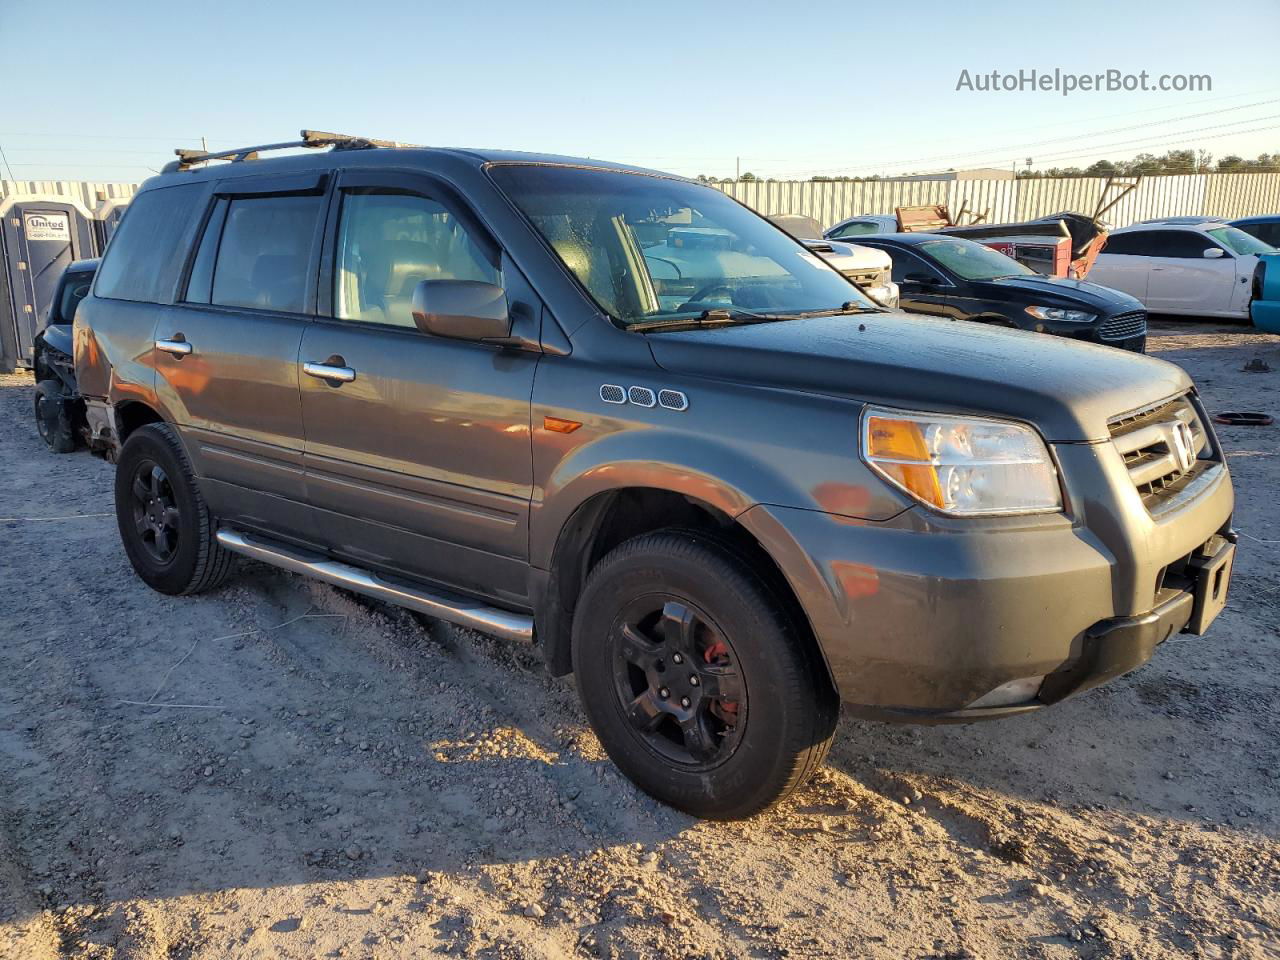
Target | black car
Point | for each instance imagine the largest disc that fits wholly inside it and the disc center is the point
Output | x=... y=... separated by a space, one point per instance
x=957 y=278
x=58 y=406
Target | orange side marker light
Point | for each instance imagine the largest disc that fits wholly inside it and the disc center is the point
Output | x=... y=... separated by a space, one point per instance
x=556 y=425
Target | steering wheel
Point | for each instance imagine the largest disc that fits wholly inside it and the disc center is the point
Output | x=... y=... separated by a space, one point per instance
x=702 y=293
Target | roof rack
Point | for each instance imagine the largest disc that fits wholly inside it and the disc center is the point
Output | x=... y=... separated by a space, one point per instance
x=311 y=139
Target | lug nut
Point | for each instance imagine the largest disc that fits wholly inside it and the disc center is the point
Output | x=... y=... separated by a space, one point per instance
x=664 y=693
x=676 y=658
x=693 y=681
x=684 y=702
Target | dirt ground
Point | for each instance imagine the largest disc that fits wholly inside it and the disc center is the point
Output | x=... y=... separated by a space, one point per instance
x=280 y=769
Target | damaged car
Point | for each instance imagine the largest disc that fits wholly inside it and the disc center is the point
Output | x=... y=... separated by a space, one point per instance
x=59 y=409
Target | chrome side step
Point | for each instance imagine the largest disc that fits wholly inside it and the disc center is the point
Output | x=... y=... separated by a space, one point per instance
x=465 y=613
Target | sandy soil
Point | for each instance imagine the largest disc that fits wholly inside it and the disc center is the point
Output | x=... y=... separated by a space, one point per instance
x=319 y=776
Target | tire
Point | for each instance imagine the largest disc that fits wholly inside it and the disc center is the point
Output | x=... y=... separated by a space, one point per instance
x=164 y=523
x=53 y=419
x=665 y=608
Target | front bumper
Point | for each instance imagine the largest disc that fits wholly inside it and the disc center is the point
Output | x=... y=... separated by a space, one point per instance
x=920 y=618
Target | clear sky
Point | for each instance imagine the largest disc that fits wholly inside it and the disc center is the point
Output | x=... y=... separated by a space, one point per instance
x=106 y=91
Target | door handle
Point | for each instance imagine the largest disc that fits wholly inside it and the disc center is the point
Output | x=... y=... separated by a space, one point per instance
x=178 y=346
x=326 y=371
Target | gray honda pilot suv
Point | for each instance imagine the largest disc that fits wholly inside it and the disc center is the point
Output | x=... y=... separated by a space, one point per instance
x=722 y=488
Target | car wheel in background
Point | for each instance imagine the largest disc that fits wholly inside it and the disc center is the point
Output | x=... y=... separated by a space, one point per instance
x=53 y=418
x=698 y=685
x=164 y=523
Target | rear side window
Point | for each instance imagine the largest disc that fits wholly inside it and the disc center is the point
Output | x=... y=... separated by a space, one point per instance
x=1182 y=244
x=144 y=257
x=858 y=228
x=263 y=258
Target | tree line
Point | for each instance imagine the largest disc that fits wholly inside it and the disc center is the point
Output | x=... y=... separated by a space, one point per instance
x=1144 y=164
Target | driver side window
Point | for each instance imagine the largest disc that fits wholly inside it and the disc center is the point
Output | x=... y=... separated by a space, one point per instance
x=387 y=244
x=908 y=264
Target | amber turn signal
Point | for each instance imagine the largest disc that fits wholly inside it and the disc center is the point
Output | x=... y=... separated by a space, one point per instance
x=899 y=448
x=556 y=425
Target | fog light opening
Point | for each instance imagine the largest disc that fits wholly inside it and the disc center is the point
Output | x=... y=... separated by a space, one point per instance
x=1013 y=693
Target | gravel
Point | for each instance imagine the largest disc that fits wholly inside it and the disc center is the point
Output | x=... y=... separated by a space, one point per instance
x=361 y=782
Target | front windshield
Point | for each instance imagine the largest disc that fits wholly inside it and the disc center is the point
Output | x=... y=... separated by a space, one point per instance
x=649 y=249
x=1239 y=242
x=973 y=261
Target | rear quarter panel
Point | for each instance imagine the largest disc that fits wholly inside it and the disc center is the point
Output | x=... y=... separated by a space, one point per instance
x=115 y=350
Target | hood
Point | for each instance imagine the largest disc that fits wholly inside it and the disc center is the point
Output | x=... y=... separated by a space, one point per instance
x=849 y=256
x=1062 y=291
x=1068 y=389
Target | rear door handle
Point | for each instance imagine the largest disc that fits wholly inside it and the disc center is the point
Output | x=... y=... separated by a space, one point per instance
x=325 y=371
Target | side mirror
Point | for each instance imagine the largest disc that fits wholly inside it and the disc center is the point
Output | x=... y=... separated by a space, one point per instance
x=461 y=309
x=1214 y=253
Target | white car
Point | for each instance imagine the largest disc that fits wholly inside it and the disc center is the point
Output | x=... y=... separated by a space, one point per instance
x=871 y=270
x=1203 y=268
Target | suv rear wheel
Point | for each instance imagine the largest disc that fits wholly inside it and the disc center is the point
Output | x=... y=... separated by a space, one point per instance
x=164 y=524
x=696 y=682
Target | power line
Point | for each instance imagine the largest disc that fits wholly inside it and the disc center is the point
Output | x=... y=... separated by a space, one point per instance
x=1003 y=153
x=6 y=164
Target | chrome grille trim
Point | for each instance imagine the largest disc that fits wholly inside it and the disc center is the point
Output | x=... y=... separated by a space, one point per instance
x=673 y=400
x=642 y=396
x=1155 y=442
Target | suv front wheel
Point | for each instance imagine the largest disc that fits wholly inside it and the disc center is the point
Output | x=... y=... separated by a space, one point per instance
x=165 y=526
x=694 y=678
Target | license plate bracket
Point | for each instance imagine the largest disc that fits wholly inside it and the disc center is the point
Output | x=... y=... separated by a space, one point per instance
x=1212 y=578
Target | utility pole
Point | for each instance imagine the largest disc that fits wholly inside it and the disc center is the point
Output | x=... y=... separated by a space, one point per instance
x=204 y=145
x=737 y=173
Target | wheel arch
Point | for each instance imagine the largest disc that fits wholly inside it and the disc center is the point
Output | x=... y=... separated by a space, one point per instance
x=611 y=517
x=132 y=414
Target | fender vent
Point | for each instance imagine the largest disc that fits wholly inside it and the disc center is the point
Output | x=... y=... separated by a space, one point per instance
x=641 y=396
x=673 y=400
x=612 y=393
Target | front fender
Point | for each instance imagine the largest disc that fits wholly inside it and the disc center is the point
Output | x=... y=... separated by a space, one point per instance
x=733 y=448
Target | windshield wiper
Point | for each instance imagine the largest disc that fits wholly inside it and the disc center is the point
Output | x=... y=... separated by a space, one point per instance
x=715 y=317
x=725 y=317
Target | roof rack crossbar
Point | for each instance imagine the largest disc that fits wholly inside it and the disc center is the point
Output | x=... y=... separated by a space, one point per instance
x=310 y=139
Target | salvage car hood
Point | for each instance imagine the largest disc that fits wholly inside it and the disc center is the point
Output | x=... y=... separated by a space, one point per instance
x=1064 y=291
x=1068 y=389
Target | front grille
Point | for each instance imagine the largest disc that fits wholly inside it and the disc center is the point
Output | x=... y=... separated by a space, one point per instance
x=1123 y=326
x=1164 y=446
x=863 y=278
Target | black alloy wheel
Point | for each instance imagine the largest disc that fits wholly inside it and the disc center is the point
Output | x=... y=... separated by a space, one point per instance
x=155 y=511
x=678 y=681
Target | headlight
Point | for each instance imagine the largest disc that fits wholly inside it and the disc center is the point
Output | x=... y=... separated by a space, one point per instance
x=1058 y=313
x=964 y=466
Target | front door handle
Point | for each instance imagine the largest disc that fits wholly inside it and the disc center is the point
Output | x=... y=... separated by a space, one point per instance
x=328 y=371
x=177 y=346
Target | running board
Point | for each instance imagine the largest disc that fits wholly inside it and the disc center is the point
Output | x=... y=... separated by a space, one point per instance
x=465 y=613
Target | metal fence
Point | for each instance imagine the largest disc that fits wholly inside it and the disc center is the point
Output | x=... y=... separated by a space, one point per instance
x=1212 y=194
